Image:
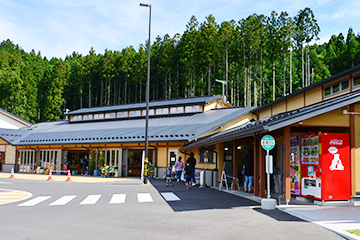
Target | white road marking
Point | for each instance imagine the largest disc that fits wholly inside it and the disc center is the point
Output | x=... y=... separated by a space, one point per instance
x=10 y=196
x=170 y=196
x=34 y=201
x=63 y=200
x=144 y=197
x=117 y=198
x=91 y=199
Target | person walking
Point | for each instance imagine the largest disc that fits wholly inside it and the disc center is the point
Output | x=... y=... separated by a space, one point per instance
x=84 y=166
x=168 y=177
x=192 y=162
x=179 y=166
x=248 y=166
x=66 y=163
x=188 y=172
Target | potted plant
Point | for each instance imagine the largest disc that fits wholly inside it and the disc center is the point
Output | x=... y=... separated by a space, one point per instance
x=92 y=161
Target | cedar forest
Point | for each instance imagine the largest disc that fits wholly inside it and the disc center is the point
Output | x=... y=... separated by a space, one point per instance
x=262 y=58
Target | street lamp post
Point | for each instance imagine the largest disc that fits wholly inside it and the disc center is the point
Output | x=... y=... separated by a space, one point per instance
x=146 y=159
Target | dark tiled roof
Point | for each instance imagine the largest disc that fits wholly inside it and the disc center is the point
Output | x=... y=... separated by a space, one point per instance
x=161 y=103
x=277 y=121
x=167 y=128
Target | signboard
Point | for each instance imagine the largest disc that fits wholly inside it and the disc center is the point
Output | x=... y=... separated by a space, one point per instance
x=267 y=142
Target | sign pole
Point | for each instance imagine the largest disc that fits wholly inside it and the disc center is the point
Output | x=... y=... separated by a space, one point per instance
x=268 y=143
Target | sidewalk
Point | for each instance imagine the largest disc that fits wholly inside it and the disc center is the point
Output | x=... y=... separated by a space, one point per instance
x=335 y=218
x=62 y=178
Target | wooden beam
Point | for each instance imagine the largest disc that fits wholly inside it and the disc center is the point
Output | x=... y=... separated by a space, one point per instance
x=352 y=150
x=256 y=166
x=287 y=163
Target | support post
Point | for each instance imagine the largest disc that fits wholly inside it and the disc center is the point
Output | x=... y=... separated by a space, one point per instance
x=287 y=164
x=235 y=165
x=352 y=150
x=256 y=166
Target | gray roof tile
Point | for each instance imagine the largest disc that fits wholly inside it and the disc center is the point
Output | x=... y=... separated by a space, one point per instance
x=167 y=128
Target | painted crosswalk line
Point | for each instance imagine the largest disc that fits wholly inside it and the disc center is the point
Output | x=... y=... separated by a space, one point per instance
x=91 y=199
x=117 y=198
x=63 y=200
x=144 y=197
x=34 y=201
x=10 y=196
x=170 y=196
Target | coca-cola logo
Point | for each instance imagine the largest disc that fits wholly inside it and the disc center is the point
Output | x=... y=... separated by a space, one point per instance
x=336 y=142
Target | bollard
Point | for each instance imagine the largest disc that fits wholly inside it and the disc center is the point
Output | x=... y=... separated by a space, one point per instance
x=202 y=179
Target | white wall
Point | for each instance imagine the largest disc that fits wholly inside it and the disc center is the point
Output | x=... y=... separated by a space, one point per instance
x=10 y=123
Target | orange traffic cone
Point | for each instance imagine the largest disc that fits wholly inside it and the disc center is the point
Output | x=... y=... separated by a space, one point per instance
x=69 y=177
x=50 y=175
x=12 y=173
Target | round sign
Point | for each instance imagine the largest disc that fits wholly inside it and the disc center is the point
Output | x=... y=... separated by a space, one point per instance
x=267 y=142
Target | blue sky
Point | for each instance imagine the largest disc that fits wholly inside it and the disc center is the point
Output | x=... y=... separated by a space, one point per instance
x=58 y=28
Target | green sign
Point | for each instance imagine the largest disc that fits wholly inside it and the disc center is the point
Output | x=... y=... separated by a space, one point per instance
x=267 y=142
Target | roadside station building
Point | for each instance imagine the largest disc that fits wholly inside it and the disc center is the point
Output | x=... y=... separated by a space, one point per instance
x=117 y=134
x=219 y=135
x=300 y=123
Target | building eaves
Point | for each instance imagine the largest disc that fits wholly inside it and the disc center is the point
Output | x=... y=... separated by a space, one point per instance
x=317 y=84
x=277 y=121
x=17 y=118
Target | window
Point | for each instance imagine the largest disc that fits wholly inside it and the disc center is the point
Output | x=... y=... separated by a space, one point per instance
x=356 y=81
x=87 y=117
x=207 y=156
x=98 y=116
x=196 y=108
x=77 y=118
x=176 y=110
x=135 y=113
x=122 y=114
x=109 y=115
x=162 y=111
x=336 y=88
x=151 y=112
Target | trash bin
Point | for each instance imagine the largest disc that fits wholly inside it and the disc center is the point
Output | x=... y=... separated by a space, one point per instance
x=277 y=181
x=215 y=178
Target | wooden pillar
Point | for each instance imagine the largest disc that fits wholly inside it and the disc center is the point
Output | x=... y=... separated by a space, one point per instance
x=287 y=164
x=352 y=150
x=256 y=167
x=262 y=170
x=235 y=165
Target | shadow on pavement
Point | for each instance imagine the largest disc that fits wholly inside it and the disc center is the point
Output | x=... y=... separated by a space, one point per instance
x=200 y=198
x=207 y=198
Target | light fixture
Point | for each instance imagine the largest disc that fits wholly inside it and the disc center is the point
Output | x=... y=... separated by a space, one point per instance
x=226 y=148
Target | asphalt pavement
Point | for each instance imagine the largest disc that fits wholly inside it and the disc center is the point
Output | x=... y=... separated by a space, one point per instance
x=199 y=213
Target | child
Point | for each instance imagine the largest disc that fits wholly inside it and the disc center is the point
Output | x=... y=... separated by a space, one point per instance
x=188 y=169
x=168 y=177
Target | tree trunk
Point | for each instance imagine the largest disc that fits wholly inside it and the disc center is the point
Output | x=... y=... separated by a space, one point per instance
x=302 y=66
x=261 y=76
x=284 y=92
x=209 y=82
x=290 y=71
x=273 y=81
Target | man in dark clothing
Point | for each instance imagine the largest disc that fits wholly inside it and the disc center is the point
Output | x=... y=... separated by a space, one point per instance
x=188 y=171
x=248 y=166
x=192 y=162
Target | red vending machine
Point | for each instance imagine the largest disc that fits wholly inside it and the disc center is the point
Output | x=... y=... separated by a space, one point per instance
x=325 y=168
